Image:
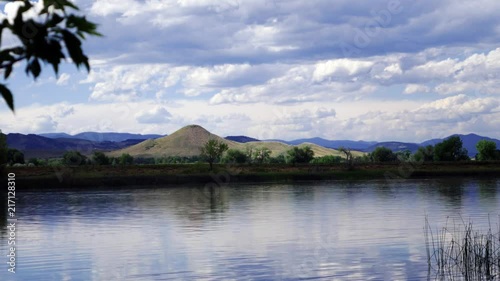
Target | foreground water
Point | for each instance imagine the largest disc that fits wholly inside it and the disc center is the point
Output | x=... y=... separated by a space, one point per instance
x=370 y=230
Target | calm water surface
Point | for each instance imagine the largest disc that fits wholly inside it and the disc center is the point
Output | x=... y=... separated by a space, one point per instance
x=370 y=230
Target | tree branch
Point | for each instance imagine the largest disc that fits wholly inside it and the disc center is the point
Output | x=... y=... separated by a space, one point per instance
x=12 y=62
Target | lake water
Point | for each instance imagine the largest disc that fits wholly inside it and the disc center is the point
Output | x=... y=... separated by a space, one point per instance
x=370 y=230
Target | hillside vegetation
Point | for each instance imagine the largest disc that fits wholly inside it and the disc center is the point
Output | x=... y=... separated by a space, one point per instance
x=188 y=141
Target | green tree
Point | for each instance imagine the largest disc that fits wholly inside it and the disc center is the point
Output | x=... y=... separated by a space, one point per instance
x=280 y=159
x=54 y=162
x=126 y=159
x=403 y=155
x=365 y=158
x=424 y=154
x=249 y=153
x=486 y=150
x=43 y=38
x=450 y=150
x=300 y=154
x=15 y=156
x=327 y=159
x=212 y=151
x=261 y=155
x=37 y=161
x=74 y=158
x=235 y=156
x=100 y=158
x=348 y=156
x=383 y=154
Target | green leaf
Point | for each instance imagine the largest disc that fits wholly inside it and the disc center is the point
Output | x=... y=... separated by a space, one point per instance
x=86 y=64
x=55 y=20
x=73 y=44
x=18 y=20
x=70 y=39
x=8 y=71
x=69 y=4
x=26 y=7
x=5 y=55
x=17 y=28
x=55 y=55
x=82 y=25
x=34 y=67
x=46 y=5
x=7 y=96
x=1 y=31
x=57 y=4
x=18 y=50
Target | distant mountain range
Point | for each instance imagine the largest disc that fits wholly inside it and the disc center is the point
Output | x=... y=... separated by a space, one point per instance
x=241 y=139
x=99 y=137
x=394 y=146
x=469 y=142
x=355 y=145
x=55 y=144
x=34 y=146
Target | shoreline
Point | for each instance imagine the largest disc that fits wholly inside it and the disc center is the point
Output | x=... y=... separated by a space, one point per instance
x=40 y=178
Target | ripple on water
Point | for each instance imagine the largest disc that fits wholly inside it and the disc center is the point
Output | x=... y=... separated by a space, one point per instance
x=308 y=231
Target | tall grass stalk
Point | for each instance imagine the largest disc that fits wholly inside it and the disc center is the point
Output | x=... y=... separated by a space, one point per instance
x=463 y=253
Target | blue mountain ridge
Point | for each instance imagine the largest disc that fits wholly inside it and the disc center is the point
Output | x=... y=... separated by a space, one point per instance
x=469 y=142
x=35 y=146
x=241 y=139
x=355 y=145
x=107 y=136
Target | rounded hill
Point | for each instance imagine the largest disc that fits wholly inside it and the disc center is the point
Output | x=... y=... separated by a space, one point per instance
x=189 y=140
x=186 y=141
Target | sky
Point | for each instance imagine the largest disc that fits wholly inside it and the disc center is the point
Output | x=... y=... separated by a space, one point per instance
x=341 y=69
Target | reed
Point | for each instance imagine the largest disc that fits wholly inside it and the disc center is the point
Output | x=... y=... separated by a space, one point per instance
x=461 y=252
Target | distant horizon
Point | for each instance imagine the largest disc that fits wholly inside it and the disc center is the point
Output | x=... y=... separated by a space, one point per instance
x=236 y=135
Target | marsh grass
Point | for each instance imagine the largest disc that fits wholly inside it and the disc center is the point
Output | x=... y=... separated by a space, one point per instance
x=460 y=252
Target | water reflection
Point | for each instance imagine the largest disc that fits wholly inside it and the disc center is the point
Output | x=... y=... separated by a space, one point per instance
x=452 y=191
x=488 y=191
x=324 y=231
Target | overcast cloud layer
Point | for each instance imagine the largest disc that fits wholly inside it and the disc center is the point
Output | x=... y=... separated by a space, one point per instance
x=377 y=70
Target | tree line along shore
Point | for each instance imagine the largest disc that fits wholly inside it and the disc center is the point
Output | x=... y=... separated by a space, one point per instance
x=215 y=160
x=213 y=151
x=223 y=174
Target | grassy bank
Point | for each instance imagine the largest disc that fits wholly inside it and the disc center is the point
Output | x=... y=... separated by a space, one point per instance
x=82 y=176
